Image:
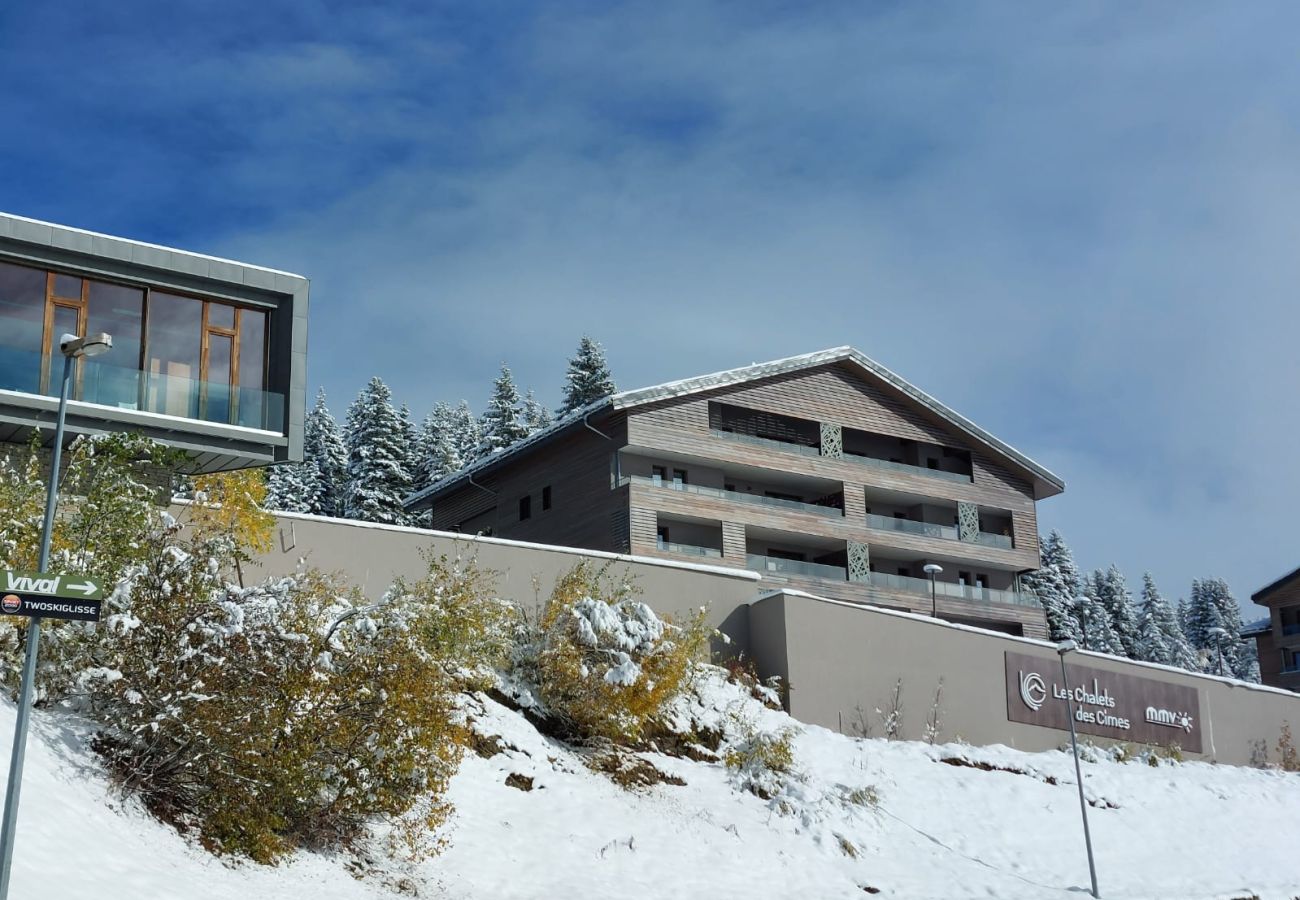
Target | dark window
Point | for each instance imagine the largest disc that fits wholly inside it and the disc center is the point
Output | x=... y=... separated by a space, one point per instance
x=22 y=323
x=905 y=571
x=982 y=581
x=777 y=495
x=900 y=515
x=661 y=536
x=729 y=487
x=679 y=476
x=525 y=508
x=963 y=578
x=659 y=473
x=785 y=554
x=895 y=459
x=932 y=463
x=546 y=497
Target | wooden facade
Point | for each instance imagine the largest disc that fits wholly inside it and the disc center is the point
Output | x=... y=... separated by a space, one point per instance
x=1278 y=645
x=630 y=479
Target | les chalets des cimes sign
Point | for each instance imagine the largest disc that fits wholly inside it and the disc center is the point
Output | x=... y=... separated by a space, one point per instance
x=1108 y=704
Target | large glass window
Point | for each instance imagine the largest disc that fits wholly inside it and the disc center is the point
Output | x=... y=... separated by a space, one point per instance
x=252 y=368
x=22 y=322
x=175 y=347
x=114 y=378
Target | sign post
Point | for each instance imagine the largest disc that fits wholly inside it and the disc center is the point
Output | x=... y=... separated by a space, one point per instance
x=40 y=595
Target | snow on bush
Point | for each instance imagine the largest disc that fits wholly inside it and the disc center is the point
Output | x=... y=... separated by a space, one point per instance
x=599 y=662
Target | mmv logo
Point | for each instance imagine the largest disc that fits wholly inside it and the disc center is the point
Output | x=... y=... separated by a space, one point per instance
x=1032 y=690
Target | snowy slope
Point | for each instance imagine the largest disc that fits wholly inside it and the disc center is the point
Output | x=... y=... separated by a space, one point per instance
x=1180 y=832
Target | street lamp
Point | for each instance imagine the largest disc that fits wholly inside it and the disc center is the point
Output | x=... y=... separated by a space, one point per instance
x=1218 y=634
x=1081 y=604
x=72 y=347
x=1063 y=648
x=933 y=569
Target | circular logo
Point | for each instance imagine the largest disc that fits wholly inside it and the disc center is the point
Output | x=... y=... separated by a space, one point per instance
x=1032 y=690
x=11 y=603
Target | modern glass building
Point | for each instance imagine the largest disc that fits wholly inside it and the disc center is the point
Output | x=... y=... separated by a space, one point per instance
x=208 y=355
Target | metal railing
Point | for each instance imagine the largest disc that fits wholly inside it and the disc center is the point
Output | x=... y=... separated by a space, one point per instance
x=929 y=529
x=787 y=446
x=926 y=529
x=740 y=496
x=955 y=591
x=688 y=549
x=794 y=567
x=904 y=467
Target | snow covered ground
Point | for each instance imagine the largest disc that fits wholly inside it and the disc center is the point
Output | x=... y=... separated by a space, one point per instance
x=939 y=830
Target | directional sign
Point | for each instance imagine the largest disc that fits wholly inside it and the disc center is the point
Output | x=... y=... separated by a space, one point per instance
x=50 y=596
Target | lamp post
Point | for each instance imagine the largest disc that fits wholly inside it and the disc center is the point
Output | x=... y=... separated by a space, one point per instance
x=1081 y=605
x=1218 y=634
x=1063 y=648
x=73 y=348
x=933 y=569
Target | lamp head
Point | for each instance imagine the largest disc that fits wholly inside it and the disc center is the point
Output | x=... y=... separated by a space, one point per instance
x=1066 y=647
x=932 y=569
x=90 y=345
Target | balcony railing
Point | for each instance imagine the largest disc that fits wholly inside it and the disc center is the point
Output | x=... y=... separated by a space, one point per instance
x=909 y=469
x=794 y=567
x=772 y=443
x=955 y=591
x=926 y=529
x=740 y=496
x=688 y=549
x=929 y=529
x=127 y=388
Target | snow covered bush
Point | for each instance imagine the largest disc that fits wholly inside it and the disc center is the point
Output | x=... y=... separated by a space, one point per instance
x=603 y=663
x=261 y=718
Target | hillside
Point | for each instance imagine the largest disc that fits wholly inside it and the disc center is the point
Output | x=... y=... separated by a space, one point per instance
x=993 y=822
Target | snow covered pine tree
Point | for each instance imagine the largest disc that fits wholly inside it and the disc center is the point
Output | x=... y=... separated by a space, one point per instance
x=1160 y=636
x=1056 y=582
x=378 y=480
x=588 y=378
x=503 y=422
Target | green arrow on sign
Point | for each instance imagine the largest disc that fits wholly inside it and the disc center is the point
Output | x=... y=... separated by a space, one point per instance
x=47 y=584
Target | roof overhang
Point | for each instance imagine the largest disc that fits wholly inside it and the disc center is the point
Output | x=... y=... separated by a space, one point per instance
x=1261 y=596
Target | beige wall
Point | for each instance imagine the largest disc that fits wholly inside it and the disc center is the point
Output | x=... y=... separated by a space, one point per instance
x=371 y=556
x=838 y=657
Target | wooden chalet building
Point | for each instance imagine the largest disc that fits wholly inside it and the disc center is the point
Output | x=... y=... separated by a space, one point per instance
x=825 y=472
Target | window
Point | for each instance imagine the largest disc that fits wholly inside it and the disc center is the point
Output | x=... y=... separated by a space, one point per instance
x=777 y=495
x=679 y=476
x=661 y=536
x=932 y=463
x=785 y=554
x=658 y=474
x=22 y=318
x=899 y=515
x=546 y=497
x=963 y=578
x=525 y=508
x=982 y=581
x=729 y=487
x=905 y=571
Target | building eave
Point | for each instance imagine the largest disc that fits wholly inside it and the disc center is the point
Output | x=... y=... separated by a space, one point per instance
x=1260 y=596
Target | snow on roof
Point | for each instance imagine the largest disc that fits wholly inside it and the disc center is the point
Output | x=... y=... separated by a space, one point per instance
x=1259 y=595
x=1257 y=627
x=688 y=386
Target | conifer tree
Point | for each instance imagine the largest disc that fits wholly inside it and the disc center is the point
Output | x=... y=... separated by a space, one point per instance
x=324 y=451
x=1056 y=582
x=439 y=447
x=1202 y=618
x=1094 y=622
x=502 y=424
x=411 y=441
x=1213 y=606
x=1160 y=636
x=290 y=487
x=536 y=416
x=588 y=377
x=1113 y=594
x=464 y=433
x=378 y=480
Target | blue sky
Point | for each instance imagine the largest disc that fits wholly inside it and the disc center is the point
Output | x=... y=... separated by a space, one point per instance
x=1076 y=225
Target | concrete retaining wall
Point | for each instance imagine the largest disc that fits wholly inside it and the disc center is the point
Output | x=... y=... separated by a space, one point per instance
x=839 y=658
x=371 y=556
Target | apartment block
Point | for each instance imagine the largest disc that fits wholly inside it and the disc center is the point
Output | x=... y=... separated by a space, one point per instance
x=208 y=355
x=1277 y=639
x=825 y=473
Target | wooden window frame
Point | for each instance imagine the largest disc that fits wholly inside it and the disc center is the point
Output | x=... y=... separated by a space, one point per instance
x=53 y=302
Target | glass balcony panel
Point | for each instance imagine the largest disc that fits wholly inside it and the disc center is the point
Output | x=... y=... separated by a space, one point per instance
x=758 y=563
x=927 y=529
x=948 y=589
x=771 y=443
x=904 y=467
x=689 y=549
x=759 y=499
x=988 y=539
x=22 y=322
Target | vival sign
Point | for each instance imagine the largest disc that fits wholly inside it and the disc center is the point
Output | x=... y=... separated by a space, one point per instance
x=50 y=596
x=1108 y=704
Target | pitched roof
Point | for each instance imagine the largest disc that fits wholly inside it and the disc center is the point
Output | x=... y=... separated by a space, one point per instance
x=1045 y=482
x=1260 y=595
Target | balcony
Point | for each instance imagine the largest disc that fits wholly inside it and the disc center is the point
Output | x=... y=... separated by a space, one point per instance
x=770 y=443
x=739 y=496
x=929 y=529
x=904 y=467
x=955 y=591
x=129 y=388
x=1293 y=628
x=779 y=566
x=688 y=549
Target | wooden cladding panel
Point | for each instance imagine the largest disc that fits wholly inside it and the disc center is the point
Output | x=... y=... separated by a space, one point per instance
x=643 y=528
x=855 y=502
x=733 y=542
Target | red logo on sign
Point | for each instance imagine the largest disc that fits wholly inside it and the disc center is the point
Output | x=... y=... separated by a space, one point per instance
x=11 y=603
